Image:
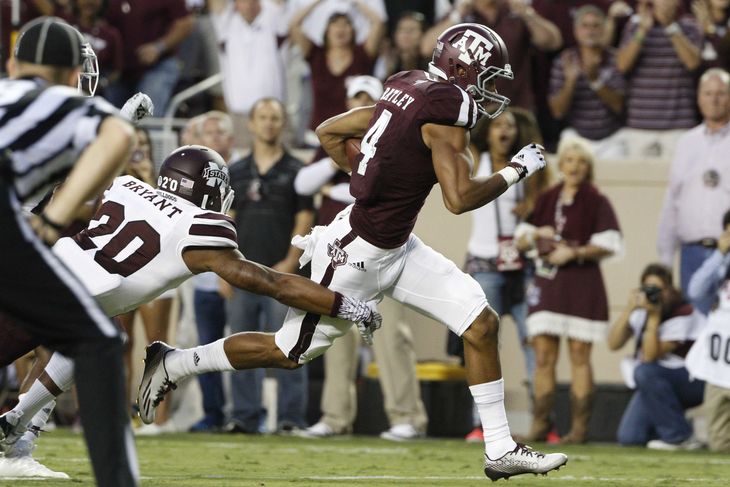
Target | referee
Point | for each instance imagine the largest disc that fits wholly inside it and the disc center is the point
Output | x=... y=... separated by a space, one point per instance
x=48 y=132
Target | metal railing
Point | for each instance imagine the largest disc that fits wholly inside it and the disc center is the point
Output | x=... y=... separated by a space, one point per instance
x=164 y=130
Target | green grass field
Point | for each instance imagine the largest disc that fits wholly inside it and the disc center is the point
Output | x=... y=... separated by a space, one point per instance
x=267 y=461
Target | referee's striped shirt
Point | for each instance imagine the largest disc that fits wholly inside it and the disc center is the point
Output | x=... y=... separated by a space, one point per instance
x=43 y=130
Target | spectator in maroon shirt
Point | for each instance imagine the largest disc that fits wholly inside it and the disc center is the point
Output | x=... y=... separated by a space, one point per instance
x=152 y=30
x=586 y=89
x=521 y=28
x=714 y=19
x=87 y=17
x=339 y=57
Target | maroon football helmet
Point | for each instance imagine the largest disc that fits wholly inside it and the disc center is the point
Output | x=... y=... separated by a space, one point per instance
x=471 y=56
x=197 y=174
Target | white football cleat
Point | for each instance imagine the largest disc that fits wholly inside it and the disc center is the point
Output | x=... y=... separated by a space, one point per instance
x=27 y=467
x=522 y=459
x=155 y=381
x=9 y=431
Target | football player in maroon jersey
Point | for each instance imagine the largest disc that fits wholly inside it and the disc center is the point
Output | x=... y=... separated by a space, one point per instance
x=416 y=135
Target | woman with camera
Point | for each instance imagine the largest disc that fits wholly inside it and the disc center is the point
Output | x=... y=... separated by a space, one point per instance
x=664 y=326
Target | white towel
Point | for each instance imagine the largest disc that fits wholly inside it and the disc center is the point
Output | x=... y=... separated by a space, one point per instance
x=307 y=243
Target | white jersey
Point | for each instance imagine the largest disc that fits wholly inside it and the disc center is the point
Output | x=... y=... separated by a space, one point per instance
x=132 y=251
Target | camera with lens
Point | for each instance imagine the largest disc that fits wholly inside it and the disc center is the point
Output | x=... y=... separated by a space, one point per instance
x=653 y=293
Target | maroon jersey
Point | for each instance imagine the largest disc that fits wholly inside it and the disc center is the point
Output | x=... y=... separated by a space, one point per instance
x=394 y=173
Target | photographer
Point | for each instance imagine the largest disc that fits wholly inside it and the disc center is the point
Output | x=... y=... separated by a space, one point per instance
x=664 y=326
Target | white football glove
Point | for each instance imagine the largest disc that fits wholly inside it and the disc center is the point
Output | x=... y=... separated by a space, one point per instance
x=137 y=107
x=365 y=315
x=368 y=326
x=529 y=160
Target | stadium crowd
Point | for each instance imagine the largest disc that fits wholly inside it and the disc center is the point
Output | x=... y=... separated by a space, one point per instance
x=596 y=81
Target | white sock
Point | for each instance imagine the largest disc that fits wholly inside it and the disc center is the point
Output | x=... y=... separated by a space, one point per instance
x=489 y=399
x=61 y=370
x=198 y=360
x=30 y=403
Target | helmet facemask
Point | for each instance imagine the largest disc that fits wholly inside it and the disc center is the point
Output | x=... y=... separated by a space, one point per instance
x=89 y=75
x=484 y=96
x=221 y=197
x=227 y=200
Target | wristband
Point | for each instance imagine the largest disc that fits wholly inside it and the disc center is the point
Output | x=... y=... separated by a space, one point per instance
x=335 y=311
x=160 y=46
x=510 y=174
x=672 y=29
x=50 y=223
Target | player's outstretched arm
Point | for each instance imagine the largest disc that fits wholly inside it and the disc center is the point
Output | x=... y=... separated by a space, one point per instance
x=334 y=131
x=290 y=289
x=452 y=162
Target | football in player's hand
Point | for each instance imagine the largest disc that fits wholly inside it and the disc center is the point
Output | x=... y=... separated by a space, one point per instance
x=352 y=149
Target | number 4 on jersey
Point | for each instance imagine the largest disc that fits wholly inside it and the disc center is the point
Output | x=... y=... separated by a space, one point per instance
x=369 y=143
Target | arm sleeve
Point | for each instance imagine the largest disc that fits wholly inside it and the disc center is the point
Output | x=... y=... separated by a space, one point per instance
x=341 y=192
x=605 y=217
x=667 y=235
x=676 y=329
x=312 y=177
x=450 y=105
x=213 y=230
x=706 y=280
x=610 y=240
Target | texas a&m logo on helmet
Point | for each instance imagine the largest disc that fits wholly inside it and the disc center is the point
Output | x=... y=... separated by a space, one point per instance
x=472 y=56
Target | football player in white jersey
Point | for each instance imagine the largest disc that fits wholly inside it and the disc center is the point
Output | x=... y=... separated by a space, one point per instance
x=144 y=241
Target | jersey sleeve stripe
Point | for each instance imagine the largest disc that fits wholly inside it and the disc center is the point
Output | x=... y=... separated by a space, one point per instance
x=473 y=114
x=463 y=119
x=216 y=216
x=212 y=231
